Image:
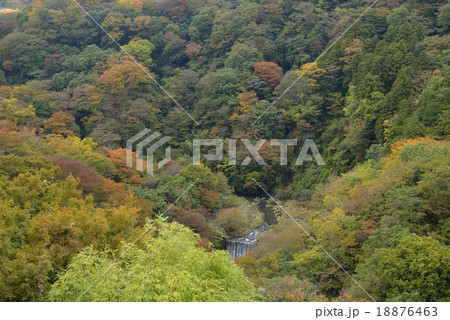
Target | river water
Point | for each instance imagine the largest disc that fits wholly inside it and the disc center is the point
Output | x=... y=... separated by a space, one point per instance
x=241 y=246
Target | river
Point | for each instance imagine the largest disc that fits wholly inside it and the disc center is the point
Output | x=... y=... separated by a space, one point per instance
x=241 y=246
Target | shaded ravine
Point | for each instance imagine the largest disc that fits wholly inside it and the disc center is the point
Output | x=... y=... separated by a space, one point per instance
x=241 y=246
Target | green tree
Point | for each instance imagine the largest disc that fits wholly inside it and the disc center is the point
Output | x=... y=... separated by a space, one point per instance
x=413 y=270
x=141 y=50
x=444 y=18
x=165 y=266
x=243 y=58
x=15 y=110
x=201 y=25
x=42 y=108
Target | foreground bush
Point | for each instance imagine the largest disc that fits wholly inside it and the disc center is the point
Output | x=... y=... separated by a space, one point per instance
x=165 y=266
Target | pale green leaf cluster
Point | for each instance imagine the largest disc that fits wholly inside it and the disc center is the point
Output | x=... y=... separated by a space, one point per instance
x=166 y=266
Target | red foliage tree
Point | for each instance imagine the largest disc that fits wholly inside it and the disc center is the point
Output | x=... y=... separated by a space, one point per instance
x=209 y=198
x=269 y=72
x=53 y=64
x=90 y=181
x=366 y=230
x=193 y=50
x=177 y=10
x=193 y=219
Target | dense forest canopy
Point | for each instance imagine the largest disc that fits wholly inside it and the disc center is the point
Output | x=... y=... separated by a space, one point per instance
x=376 y=104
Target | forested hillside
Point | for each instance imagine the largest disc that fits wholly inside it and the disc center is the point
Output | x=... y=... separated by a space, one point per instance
x=376 y=103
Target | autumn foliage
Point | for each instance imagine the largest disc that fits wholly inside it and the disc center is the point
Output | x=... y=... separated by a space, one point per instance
x=373 y=94
x=269 y=72
x=60 y=123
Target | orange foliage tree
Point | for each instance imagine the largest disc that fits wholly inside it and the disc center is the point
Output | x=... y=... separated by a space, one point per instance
x=122 y=77
x=290 y=289
x=209 y=198
x=126 y=174
x=246 y=100
x=60 y=123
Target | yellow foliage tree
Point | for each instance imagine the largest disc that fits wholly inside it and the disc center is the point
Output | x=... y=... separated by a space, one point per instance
x=311 y=72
